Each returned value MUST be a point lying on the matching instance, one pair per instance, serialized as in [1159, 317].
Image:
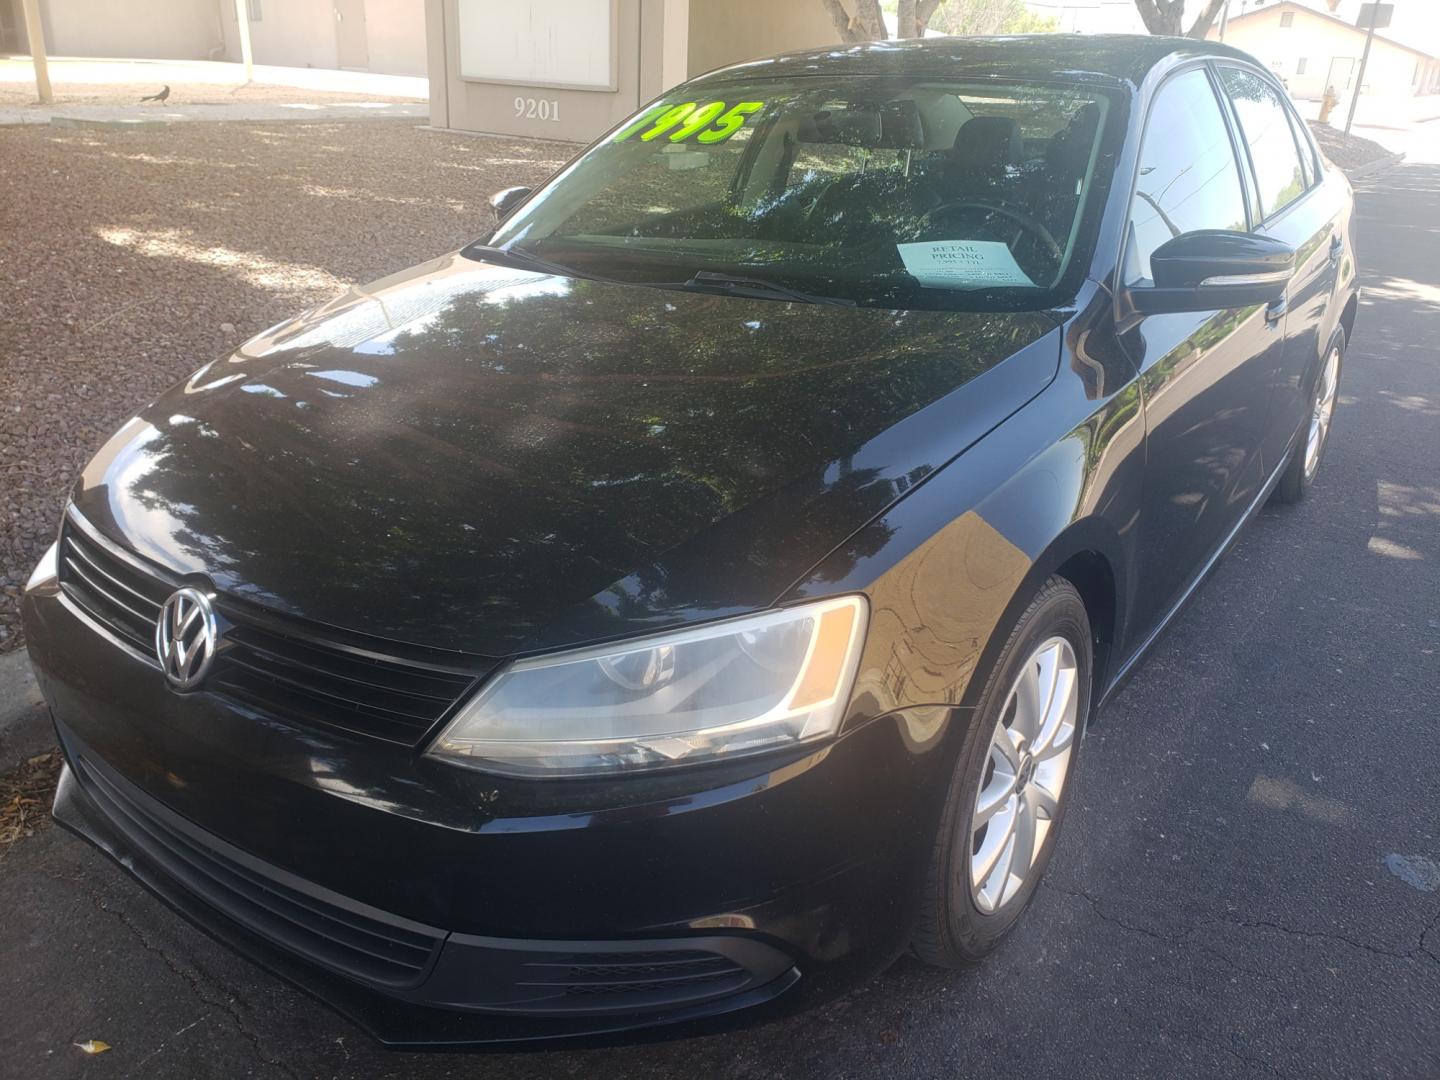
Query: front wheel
[1008, 795]
[1305, 461]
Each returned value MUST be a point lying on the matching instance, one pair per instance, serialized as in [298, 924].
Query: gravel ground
[130, 258]
[1346, 151]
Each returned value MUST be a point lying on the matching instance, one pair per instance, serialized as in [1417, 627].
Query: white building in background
[385, 36]
[1311, 49]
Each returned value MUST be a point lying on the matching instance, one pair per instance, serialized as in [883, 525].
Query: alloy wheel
[1320, 416]
[1027, 763]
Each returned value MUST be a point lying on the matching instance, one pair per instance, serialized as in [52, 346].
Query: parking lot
[1248, 882]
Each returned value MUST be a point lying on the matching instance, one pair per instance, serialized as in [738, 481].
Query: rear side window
[1307, 155]
[1188, 178]
[1265, 125]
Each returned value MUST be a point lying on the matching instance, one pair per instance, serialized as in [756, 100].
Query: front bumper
[442, 907]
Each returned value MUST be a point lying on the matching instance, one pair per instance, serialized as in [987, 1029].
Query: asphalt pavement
[1247, 884]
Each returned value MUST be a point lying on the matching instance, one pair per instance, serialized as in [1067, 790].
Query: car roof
[1115, 59]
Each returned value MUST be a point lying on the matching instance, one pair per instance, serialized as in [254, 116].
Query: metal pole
[36, 33]
[1364, 59]
[1224, 19]
[242, 16]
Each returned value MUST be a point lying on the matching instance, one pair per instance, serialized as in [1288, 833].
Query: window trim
[1127, 238]
[1238, 136]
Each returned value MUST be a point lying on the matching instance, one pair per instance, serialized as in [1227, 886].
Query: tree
[863, 20]
[993, 17]
[1167, 17]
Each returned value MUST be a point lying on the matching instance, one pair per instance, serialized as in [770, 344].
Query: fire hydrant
[1328, 103]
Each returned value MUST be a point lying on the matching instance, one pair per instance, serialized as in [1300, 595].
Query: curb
[24, 721]
[1372, 167]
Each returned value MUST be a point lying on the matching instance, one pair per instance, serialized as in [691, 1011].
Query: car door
[1292, 207]
[1205, 376]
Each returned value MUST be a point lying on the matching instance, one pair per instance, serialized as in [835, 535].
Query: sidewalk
[107, 93]
[81, 72]
[122, 116]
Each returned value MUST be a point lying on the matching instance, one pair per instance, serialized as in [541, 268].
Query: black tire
[1295, 482]
[951, 930]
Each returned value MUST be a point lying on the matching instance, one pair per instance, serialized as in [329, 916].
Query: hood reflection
[467, 454]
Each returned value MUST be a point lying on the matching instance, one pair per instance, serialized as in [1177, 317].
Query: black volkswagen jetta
[681, 603]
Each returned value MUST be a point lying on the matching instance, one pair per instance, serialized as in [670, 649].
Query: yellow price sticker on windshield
[689, 119]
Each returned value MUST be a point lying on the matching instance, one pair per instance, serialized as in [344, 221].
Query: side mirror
[504, 201]
[1211, 269]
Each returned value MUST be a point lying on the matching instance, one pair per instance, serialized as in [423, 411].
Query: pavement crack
[197, 986]
[1113, 919]
[1426, 947]
[1308, 935]
[1188, 939]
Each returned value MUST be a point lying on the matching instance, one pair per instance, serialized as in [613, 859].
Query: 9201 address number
[530, 108]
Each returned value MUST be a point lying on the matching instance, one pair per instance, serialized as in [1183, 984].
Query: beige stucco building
[1313, 49]
[569, 69]
[386, 36]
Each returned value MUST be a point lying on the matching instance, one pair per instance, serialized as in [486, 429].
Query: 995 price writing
[711, 122]
[537, 108]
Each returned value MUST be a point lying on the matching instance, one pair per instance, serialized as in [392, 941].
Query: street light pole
[36, 33]
[1224, 19]
[1364, 59]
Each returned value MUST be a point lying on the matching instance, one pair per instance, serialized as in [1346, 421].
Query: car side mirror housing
[1213, 269]
[506, 200]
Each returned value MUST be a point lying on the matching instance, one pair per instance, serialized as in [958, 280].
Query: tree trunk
[863, 23]
[905, 20]
[1206, 19]
[1162, 16]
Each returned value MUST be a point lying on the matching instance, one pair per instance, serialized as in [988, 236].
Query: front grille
[372, 947]
[277, 666]
[114, 591]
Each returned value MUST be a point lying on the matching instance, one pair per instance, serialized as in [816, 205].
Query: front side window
[1188, 178]
[883, 191]
[1265, 125]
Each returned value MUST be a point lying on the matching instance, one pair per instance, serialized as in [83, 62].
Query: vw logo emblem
[185, 638]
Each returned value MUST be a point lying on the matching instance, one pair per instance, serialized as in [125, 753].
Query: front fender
[952, 564]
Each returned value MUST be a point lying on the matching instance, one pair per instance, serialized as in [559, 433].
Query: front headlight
[712, 692]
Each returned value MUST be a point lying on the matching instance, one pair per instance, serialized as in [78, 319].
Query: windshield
[881, 191]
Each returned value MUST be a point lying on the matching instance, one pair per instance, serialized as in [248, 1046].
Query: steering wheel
[1020, 217]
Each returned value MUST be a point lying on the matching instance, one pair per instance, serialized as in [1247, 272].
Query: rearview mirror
[1211, 269]
[506, 200]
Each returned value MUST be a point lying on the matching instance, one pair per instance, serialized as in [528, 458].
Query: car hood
[489, 460]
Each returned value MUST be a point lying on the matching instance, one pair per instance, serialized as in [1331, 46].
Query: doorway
[1341, 74]
[352, 47]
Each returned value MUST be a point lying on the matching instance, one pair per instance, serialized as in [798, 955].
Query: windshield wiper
[734, 285]
[525, 261]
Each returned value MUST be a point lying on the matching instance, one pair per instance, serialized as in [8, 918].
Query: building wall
[396, 31]
[736, 30]
[478, 104]
[289, 33]
[659, 43]
[1331, 53]
[151, 29]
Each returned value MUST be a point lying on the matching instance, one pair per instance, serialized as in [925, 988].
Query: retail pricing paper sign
[963, 264]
